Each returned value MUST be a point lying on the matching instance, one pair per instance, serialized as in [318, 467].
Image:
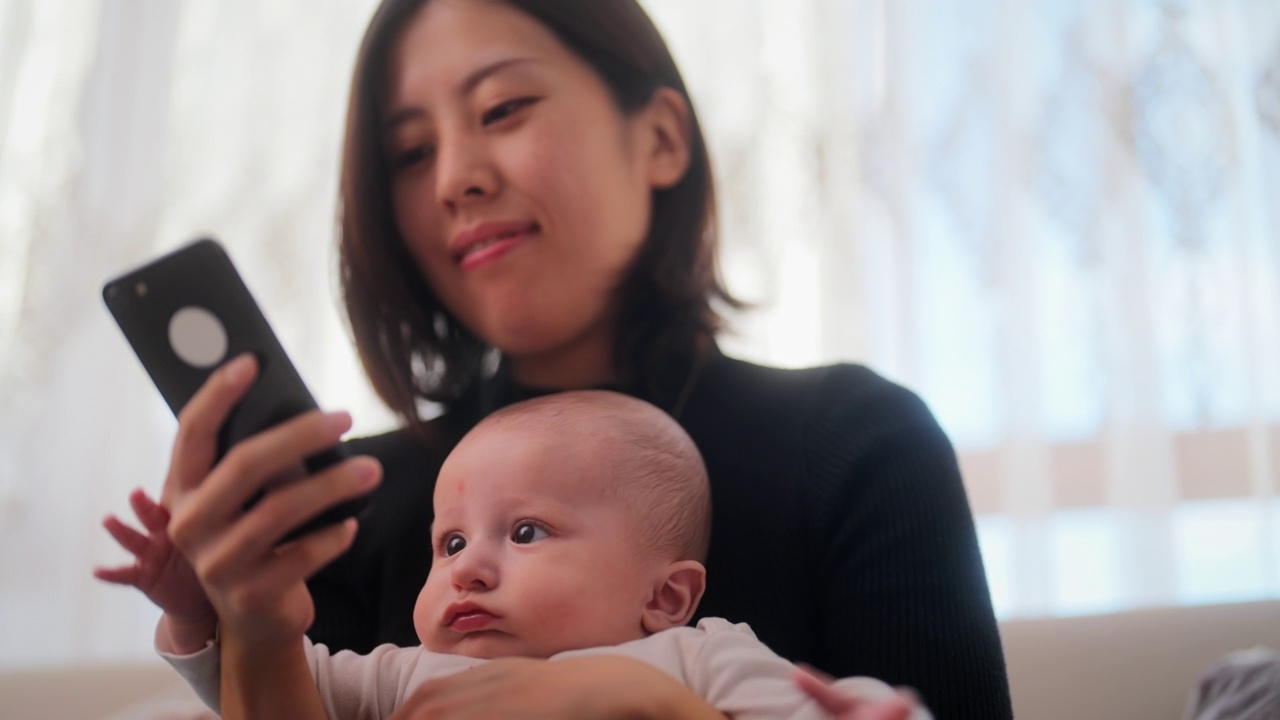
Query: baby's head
[574, 520]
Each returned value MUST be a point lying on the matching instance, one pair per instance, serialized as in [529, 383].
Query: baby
[569, 525]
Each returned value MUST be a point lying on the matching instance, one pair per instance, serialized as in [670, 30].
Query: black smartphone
[188, 312]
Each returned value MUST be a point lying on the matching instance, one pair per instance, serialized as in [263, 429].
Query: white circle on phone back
[197, 336]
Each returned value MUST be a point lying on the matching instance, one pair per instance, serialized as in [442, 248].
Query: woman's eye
[527, 532]
[453, 545]
[506, 109]
[412, 156]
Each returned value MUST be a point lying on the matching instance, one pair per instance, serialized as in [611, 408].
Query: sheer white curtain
[1054, 220]
[127, 127]
[1058, 222]
[1106, 185]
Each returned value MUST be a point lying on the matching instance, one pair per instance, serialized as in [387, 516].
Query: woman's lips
[486, 250]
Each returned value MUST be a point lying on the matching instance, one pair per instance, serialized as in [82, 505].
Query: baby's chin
[490, 644]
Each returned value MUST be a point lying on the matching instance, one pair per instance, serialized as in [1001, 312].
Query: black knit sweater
[841, 532]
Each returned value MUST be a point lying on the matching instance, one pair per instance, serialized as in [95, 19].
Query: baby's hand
[842, 706]
[159, 570]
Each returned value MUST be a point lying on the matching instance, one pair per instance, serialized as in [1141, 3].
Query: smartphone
[188, 312]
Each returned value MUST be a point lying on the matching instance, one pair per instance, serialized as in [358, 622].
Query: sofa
[1140, 664]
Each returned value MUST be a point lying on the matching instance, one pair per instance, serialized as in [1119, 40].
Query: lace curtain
[1054, 220]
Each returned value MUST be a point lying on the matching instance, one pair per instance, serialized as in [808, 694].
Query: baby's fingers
[129, 575]
[152, 516]
[129, 539]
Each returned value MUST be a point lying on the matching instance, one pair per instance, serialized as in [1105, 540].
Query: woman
[527, 207]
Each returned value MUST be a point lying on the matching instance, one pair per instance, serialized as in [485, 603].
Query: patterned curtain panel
[1058, 221]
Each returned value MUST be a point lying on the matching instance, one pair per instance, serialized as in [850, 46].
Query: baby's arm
[189, 624]
[164, 576]
[350, 685]
[270, 680]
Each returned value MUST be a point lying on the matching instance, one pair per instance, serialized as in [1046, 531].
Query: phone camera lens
[140, 289]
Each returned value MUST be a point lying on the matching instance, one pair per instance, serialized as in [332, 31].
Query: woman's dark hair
[411, 346]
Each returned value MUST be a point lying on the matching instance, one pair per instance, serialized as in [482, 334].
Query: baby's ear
[675, 596]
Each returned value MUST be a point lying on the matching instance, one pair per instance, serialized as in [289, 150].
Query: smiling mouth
[492, 241]
[487, 250]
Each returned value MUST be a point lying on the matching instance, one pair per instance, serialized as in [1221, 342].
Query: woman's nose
[465, 172]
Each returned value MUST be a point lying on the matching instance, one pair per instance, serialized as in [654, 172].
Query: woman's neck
[581, 365]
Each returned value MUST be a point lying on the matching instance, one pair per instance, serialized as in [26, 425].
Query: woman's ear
[676, 594]
[668, 132]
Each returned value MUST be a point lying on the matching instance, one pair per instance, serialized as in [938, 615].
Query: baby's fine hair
[656, 469]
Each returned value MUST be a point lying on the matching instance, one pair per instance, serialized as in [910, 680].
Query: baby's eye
[454, 545]
[506, 109]
[527, 532]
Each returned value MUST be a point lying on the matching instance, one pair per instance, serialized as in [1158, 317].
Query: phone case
[188, 312]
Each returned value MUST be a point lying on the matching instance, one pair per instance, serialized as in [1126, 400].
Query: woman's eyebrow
[478, 75]
[468, 85]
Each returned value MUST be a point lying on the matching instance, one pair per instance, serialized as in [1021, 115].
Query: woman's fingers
[249, 467]
[272, 453]
[201, 418]
[270, 596]
[898, 707]
[286, 507]
[815, 672]
[305, 556]
[587, 688]
[833, 701]
[254, 535]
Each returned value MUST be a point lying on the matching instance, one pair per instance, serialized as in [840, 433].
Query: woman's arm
[267, 683]
[905, 597]
[589, 688]
[255, 584]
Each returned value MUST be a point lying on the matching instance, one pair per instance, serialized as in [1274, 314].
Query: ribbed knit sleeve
[902, 584]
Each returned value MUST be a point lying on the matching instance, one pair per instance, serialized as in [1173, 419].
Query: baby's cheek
[422, 614]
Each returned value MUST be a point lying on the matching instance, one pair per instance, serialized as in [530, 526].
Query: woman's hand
[257, 588]
[842, 706]
[589, 688]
